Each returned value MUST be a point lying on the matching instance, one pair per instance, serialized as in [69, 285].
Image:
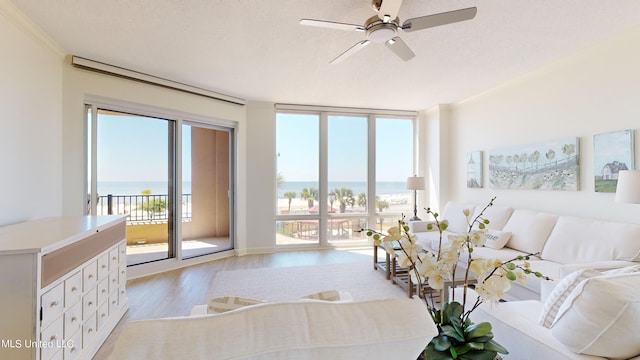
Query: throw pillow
[560, 293]
[601, 317]
[228, 303]
[496, 239]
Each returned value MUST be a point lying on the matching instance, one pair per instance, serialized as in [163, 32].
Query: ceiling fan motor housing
[379, 31]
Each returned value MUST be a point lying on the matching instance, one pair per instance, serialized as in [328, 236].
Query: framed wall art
[551, 165]
[474, 169]
[612, 152]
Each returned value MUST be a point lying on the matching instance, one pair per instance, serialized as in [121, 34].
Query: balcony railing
[141, 208]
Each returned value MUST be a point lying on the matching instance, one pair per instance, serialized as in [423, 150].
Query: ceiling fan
[383, 28]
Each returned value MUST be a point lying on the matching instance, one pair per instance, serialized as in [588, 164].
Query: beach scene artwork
[612, 153]
[551, 165]
[474, 169]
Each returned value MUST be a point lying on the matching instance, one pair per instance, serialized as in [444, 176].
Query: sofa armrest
[420, 226]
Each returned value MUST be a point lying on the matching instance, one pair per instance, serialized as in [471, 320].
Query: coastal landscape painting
[612, 152]
[551, 165]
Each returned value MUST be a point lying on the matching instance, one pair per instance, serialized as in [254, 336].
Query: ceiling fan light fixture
[386, 18]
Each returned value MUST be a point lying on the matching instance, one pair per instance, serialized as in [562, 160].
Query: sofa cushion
[601, 317]
[560, 293]
[577, 240]
[286, 330]
[529, 230]
[496, 239]
[497, 216]
[454, 213]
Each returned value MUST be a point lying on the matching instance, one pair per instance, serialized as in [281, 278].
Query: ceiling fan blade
[400, 48]
[352, 50]
[429, 21]
[331, 25]
[389, 10]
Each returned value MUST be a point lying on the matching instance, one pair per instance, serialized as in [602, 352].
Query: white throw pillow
[560, 293]
[601, 317]
[496, 239]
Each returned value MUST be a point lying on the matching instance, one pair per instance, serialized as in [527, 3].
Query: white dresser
[63, 284]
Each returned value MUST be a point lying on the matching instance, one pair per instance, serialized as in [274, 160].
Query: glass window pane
[133, 179]
[298, 158]
[394, 163]
[347, 164]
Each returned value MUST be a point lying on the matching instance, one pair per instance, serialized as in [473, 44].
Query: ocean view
[160, 187]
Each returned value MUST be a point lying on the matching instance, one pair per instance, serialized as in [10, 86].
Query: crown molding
[22, 22]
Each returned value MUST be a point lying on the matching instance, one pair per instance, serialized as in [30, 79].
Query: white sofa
[300, 330]
[560, 241]
[596, 318]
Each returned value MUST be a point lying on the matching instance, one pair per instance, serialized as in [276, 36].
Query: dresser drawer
[102, 315]
[52, 303]
[89, 304]
[72, 320]
[113, 302]
[113, 281]
[54, 334]
[90, 276]
[72, 289]
[103, 267]
[73, 346]
[88, 331]
[103, 291]
[122, 249]
[122, 276]
[114, 258]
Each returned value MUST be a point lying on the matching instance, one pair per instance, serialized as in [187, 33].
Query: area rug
[292, 283]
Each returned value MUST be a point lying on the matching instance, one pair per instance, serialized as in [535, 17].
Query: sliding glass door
[172, 179]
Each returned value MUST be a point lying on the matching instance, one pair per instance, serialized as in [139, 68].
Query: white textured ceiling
[255, 49]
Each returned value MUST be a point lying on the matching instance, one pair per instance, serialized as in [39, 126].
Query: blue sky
[132, 148]
[298, 148]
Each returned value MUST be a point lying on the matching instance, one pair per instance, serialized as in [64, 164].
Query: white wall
[594, 91]
[31, 120]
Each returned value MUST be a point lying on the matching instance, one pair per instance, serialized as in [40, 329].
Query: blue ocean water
[358, 187]
[160, 187]
[137, 187]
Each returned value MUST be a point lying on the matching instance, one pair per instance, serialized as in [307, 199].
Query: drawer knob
[103, 315]
[90, 276]
[74, 319]
[104, 291]
[74, 289]
[53, 304]
[90, 330]
[52, 338]
[73, 349]
[114, 258]
[104, 266]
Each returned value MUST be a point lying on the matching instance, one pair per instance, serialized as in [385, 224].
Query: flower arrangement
[459, 337]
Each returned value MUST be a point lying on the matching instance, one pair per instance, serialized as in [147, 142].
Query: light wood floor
[174, 293]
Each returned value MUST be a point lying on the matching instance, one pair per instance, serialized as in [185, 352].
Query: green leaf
[462, 349]
[511, 276]
[478, 355]
[481, 226]
[486, 221]
[452, 332]
[433, 354]
[440, 343]
[510, 266]
[478, 330]
[492, 345]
